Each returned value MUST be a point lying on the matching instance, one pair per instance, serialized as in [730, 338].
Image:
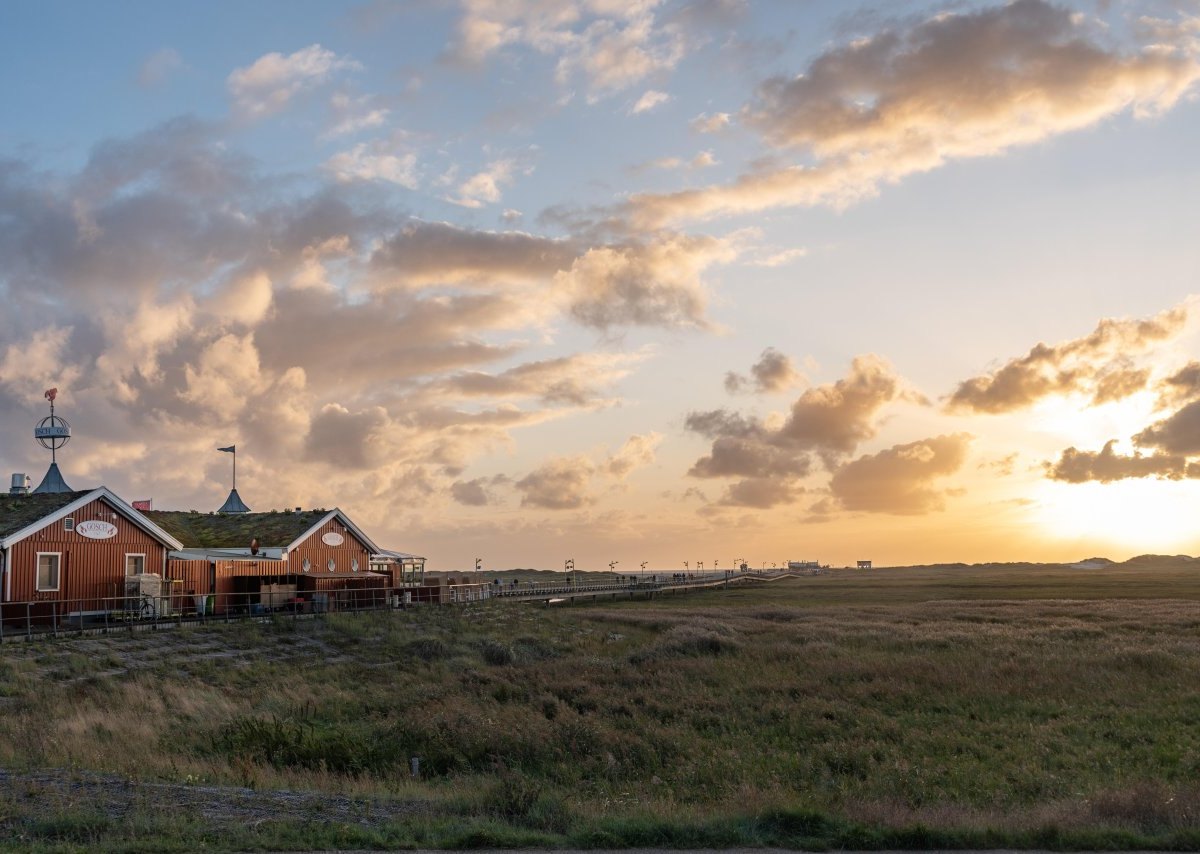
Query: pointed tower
[234, 503]
[52, 433]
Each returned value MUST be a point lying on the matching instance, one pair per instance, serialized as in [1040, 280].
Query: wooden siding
[319, 554]
[88, 569]
[194, 574]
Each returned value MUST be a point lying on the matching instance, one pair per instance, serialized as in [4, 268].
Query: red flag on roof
[51, 393]
[144, 505]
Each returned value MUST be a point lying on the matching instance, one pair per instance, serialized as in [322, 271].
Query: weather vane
[52, 432]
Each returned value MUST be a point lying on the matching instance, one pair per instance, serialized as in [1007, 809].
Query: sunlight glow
[1145, 515]
[1073, 420]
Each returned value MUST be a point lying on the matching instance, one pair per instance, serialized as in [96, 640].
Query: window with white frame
[134, 564]
[47, 570]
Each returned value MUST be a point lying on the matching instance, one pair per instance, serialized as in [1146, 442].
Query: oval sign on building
[94, 529]
[332, 538]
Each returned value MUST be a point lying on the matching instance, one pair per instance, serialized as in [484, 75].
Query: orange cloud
[1096, 364]
[908, 100]
[899, 479]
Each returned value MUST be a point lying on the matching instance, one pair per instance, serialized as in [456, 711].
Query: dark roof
[217, 531]
[234, 504]
[20, 511]
[53, 481]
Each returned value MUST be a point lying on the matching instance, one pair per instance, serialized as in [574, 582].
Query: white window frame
[128, 555]
[37, 579]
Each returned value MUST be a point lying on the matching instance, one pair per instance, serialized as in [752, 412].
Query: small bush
[497, 654]
[427, 649]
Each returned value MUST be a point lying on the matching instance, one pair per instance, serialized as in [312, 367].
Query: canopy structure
[234, 503]
[52, 482]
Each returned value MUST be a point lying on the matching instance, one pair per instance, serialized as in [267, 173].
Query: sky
[660, 281]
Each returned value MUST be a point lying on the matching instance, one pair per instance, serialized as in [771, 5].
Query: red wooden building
[304, 558]
[77, 548]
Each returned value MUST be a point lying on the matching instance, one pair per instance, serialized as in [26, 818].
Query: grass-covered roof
[217, 531]
[19, 511]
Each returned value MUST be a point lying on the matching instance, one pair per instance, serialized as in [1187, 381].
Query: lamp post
[478, 564]
[569, 566]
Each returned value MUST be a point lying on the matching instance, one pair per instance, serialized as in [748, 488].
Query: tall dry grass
[958, 716]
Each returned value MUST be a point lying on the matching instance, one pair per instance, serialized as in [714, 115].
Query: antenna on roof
[52, 432]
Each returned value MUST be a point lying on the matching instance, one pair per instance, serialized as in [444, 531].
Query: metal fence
[98, 614]
[114, 613]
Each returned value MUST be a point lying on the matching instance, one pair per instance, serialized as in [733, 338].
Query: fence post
[28, 621]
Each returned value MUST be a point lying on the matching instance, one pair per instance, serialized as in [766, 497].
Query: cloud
[836, 418]
[912, 98]
[1177, 434]
[1183, 385]
[761, 493]
[773, 372]
[574, 380]
[484, 187]
[477, 492]
[650, 99]
[715, 123]
[351, 114]
[560, 484]
[638, 451]
[779, 259]
[741, 456]
[352, 440]
[703, 160]
[269, 84]
[611, 46]
[174, 292]
[828, 421]
[653, 283]
[832, 418]
[1075, 466]
[898, 480]
[1117, 381]
[1096, 364]
[438, 253]
[159, 67]
[375, 162]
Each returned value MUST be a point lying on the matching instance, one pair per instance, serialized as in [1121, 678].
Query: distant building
[803, 564]
[864, 564]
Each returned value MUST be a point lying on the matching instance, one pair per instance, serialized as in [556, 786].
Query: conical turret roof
[53, 482]
[233, 504]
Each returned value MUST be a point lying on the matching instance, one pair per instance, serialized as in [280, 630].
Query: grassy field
[1016, 706]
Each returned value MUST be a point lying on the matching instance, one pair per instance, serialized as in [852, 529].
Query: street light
[569, 566]
[478, 563]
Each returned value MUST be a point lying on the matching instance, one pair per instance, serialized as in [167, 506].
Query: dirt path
[51, 791]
